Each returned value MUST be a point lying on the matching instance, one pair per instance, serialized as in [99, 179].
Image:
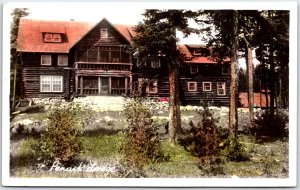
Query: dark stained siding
[206, 73]
[93, 39]
[31, 82]
[32, 70]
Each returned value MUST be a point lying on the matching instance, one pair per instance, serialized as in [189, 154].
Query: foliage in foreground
[234, 150]
[204, 141]
[62, 140]
[270, 125]
[141, 144]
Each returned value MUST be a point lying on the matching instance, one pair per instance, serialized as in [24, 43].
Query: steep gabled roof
[126, 31]
[30, 34]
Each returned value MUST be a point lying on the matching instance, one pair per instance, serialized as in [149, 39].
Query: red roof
[196, 59]
[201, 60]
[126, 31]
[30, 34]
[259, 99]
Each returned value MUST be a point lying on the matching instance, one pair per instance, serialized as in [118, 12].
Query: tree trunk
[234, 77]
[249, 62]
[260, 94]
[14, 83]
[174, 100]
[267, 95]
[272, 72]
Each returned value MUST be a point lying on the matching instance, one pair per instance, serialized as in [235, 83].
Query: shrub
[141, 144]
[270, 125]
[234, 150]
[204, 139]
[62, 139]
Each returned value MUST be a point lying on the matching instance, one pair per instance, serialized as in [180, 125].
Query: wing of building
[68, 58]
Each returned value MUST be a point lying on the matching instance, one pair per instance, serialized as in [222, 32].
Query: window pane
[194, 69]
[104, 33]
[62, 60]
[206, 86]
[45, 59]
[192, 86]
[221, 88]
[45, 83]
[48, 37]
[155, 63]
[56, 83]
[56, 38]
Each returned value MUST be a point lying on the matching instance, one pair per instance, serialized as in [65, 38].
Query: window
[221, 88]
[225, 70]
[45, 59]
[52, 37]
[192, 86]
[62, 60]
[152, 88]
[48, 37]
[206, 86]
[155, 63]
[56, 37]
[51, 83]
[103, 33]
[194, 69]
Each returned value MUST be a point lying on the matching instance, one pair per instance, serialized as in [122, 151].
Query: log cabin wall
[32, 71]
[208, 73]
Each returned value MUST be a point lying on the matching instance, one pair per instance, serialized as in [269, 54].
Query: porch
[102, 85]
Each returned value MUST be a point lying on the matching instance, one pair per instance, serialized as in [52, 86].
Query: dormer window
[56, 38]
[197, 51]
[52, 37]
[103, 33]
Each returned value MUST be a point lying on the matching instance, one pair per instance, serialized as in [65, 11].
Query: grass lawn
[267, 160]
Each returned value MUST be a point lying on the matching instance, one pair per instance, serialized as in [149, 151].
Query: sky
[116, 12]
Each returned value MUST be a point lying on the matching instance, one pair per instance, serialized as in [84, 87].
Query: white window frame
[103, 33]
[51, 80]
[155, 63]
[204, 86]
[191, 68]
[190, 88]
[44, 56]
[221, 86]
[225, 68]
[154, 88]
[62, 58]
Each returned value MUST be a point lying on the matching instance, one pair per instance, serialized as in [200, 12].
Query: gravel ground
[107, 112]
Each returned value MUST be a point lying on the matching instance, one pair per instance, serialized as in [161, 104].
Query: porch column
[109, 85]
[126, 85]
[81, 85]
[99, 85]
[130, 84]
[76, 84]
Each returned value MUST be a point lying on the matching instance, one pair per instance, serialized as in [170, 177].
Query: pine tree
[156, 37]
[17, 14]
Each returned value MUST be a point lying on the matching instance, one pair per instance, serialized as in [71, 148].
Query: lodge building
[68, 58]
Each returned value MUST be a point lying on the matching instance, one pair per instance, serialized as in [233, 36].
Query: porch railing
[102, 66]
